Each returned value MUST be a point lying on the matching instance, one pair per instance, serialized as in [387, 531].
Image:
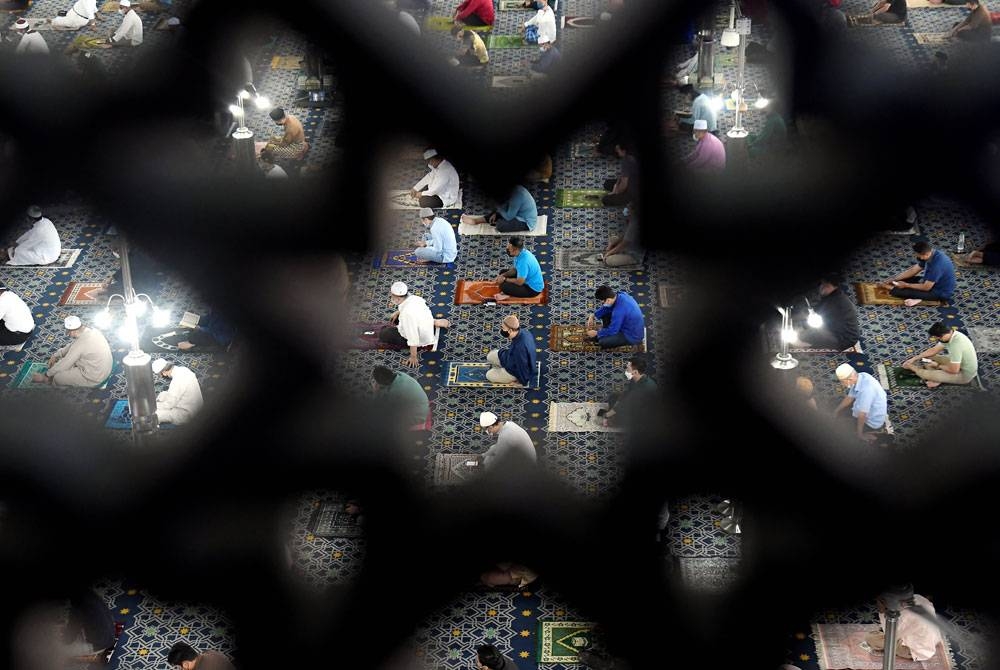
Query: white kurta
[545, 19]
[441, 181]
[82, 13]
[416, 323]
[15, 313]
[918, 633]
[86, 361]
[32, 43]
[38, 246]
[130, 29]
[179, 403]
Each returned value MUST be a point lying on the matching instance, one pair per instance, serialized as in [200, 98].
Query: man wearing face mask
[292, 143]
[710, 154]
[548, 57]
[517, 362]
[622, 318]
[512, 441]
[932, 278]
[440, 186]
[439, 245]
[524, 280]
[640, 392]
[130, 31]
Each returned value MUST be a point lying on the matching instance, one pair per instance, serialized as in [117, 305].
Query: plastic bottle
[961, 243]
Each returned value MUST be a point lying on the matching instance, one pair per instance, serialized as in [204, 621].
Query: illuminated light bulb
[788, 335]
[262, 102]
[814, 320]
[103, 319]
[161, 318]
[761, 103]
[235, 110]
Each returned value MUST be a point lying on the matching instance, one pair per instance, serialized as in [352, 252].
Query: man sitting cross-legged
[621, 317]
[868, 400]
[519, 213]
[524, 280]
[516, 362]
[86, 361]
[936, 283]
[952, 359]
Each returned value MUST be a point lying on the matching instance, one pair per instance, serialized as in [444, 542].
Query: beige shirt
[130, 29]
[90, 353]
[916, 631]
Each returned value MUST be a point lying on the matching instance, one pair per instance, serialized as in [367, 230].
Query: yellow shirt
[479, 48]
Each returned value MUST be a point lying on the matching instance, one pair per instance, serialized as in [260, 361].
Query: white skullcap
[426, 213]
[158, 365]
[398, 289]
[72, 322]
[430, 153]
[844, 370]
[700, 124]
[20, 24]
[125, 3]
[487, 419]
[34, 211]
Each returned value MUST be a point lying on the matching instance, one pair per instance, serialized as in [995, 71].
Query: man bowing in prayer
[82, 13]
[182, 400]
[86, 361]
[412, 325]
[38, 246]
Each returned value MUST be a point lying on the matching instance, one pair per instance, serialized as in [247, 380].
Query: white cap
[844, 370]
[398, 289]
[72, 322]
[158, 365]
[125, 3]
[430, 153]
[700, 124]
[544, 39]
[20, 24]
[426, 213]
[34, 211]
[487, 419]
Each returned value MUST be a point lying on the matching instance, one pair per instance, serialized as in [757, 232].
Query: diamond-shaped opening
[325, 543]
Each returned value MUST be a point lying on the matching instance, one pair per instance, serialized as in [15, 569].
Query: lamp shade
[730, 38]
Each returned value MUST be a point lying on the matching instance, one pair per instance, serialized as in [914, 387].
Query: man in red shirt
[475, 13]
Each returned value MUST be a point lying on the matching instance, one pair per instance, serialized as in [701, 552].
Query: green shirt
[410, 396]
[960, 350]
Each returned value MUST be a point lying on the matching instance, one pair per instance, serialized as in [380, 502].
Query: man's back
[213, 660]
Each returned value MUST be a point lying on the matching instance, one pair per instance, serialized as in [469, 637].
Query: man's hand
[592, 333]
[869, 437]
[492, 218]
[412, 361]
[414, 193]
[887, 284]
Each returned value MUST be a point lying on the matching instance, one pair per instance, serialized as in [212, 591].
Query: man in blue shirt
[518, 213]
[622, 319]
[517, 362]
[524, 280]
[701, 108]
[937, 282]
[868, 398]
[439, 245]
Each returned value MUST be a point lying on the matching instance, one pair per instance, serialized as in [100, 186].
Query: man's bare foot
[184, 346]
[501, 296]
[932, 385]
[908, 366]
[39, 379]
[442, 323]
[912, 302]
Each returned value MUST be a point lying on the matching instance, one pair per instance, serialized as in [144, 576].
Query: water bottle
[961, 243]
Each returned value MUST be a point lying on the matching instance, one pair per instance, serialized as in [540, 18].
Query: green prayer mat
[22, 380]
[505, 42]
[562, 641]
[894, 377]
[570, 197]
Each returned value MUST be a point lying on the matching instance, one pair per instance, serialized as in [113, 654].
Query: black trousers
[514, 226]
[615, 199]
[390, 335]
[432, 201]
[12, 337]
[916, 293]
[518, 290]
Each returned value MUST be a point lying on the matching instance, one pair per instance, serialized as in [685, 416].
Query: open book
[189, 320]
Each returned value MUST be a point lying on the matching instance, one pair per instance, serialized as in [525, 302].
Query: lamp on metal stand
[783, 360]
[243, 143]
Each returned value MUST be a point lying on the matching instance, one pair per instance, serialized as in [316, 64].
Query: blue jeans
[428, 254]
[609, 341]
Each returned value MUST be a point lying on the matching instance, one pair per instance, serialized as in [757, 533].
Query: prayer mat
[541, 228]
[473, 375]
[330, 520]
[67, 257]
[573, 338]
[870, 293]
[578, 417]
[167, 340]
[579, 22]
[81, 293]
[470, 292]
[585, 150]
[772, 345]
[924, 4]
[894, 377]
[510, 5]
[510, 81]
[562, 641]
[962, 263]
[87, 43]
[22, 380]
[403, 258]
[286, 62]
[121, 417]
[841, 646]
[912, 230]
[985, 340]
[451, 469]
[444, 23]
[402, 200]
[567, 197]
[669, 294]
[505, 42]
[588, 259]
[364, 336]
[932, 38]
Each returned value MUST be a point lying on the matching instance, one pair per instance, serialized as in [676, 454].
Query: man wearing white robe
[86, 361]
[917, 634]
[412, 324]
[38, 246]
[130, 31]
[182, 401]
[440, 186]
[16, 322]
[32, 41]
[82, 13]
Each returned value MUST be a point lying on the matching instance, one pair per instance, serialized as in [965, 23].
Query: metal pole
[706, 57]
[784, 360]
[889, 651]
[138, 366]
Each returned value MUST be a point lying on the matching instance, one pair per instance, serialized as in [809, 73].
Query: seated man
[404, 392]
[90, 628]
[38, 246]
[840, 329]
[959, 363]
[86, 361]
[709, 156]
[439, 245]
[625, 250]
[545, 22]
[489, 657]
[621, 316]
[883, 11]
[82, 13]
[268, 166]
[518, 214]
[517, 362]
[212, 333]
[639, 395]
[524, 280]
[917, 634]
[129, 33]
[475, 13]
[701, 109]
[508, 574]
[292, 143]
[937, 282]
[548, 58]
[623, 189]
[182, 400]
[186, 658]
[413, 323]
[31, 41]
[16, 322]
[772, 140]
[512, 441]
[987, 255]
[471, 48]
[869, 401]
[440, 186]
[977, 26]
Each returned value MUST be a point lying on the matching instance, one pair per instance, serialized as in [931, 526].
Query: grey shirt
[511, 440]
